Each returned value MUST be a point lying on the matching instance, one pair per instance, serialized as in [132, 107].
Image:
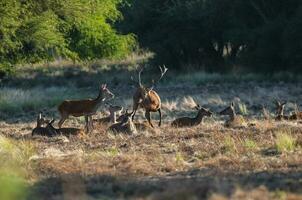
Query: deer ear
[277, 103]
[232, 104]
[40, 116]
[283, 103]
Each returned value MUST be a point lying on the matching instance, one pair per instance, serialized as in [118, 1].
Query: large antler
[139, 82]
[163, 70]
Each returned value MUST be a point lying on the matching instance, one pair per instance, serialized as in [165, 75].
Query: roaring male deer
[188, 121]
[86, 107]
[113, 110]
[235, 120]
[147, 98]
[125, 125]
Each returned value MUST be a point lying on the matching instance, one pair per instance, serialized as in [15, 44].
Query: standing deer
[86, 107]
[125, 125]
[113, 110]
[235, 120]
[188, 121]
[147, 98]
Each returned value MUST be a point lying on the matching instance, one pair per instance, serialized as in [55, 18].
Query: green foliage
[35, 31]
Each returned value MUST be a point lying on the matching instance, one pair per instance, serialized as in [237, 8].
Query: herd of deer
[144, 97]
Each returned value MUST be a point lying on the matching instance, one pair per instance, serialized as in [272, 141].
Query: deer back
[78, 108]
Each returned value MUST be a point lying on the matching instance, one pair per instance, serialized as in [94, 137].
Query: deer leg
[86, 124]
[135, 107]
[91, 122]
[148, 117]
[159, 112]
[62, 120]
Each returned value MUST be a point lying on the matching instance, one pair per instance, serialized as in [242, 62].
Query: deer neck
[99, 100]
[199, 118]
[112, 117]
[232, 115]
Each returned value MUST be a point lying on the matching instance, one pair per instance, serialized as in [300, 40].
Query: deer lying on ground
[147, 98]
[280, 111]
[113, 110]
[297, 115]
[125, 125]
[188, 121]
[235, 120]
[49, 130]
[86, 107]
[140, 126]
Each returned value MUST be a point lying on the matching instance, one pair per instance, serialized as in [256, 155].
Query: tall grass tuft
[229, 145]
[250, 144]
[15, 156]
[285, 142]
[15, 168]
[243, 109]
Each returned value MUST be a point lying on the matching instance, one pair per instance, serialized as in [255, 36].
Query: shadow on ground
[200, 184]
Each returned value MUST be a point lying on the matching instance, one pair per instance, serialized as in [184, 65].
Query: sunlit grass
[14, 100]
[285, 142]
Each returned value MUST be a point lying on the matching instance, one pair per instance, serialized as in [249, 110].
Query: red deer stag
[147, 98]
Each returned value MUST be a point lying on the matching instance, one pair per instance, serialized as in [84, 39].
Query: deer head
[105, 93]
[163, 70]
[230, 110]
[142, 91]
[125, 117]
[203, 111]
[280, 107]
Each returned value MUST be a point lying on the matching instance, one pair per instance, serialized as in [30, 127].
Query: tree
[39, 30]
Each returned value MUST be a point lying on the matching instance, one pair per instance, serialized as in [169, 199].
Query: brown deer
[48, 130]
[147, 98]
[86, 107]
[280, 111]
[140, 126]
[297, 115]
[188, 121]
[125, 125]
[235, 120]
[113, 110]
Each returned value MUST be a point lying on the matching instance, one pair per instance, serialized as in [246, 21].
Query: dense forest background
[212, 35]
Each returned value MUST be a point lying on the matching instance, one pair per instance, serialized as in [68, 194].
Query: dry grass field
[209, 161]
